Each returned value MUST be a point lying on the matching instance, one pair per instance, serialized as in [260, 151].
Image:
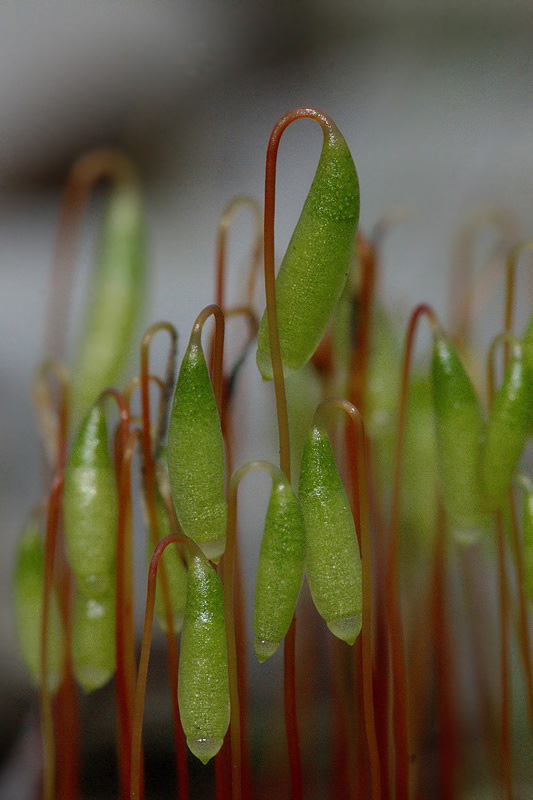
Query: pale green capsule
[507, 430]
[203, 692]
[314, 270]
[196, 462]
[280, 568]
[116, 298]
[176, 572]
[332, 558]
[528, 541]
[93, 641]
[460, 429]
[90, 507]
[28, 591]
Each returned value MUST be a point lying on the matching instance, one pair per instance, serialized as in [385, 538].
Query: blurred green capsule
[203, 692]
[314, 270]
[29, 585]
[527, 349]
[176, 572]
[507, 430]
[460, 429]
[93, 641]
[332, 558]
[90, 507]
[116, 298]
[280, 568]
[528, 540]
[196, 462]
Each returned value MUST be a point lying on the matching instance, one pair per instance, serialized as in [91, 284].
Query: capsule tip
[213, 550]
[347, 628]
[93, 678]
[264, 649]
[204, 749]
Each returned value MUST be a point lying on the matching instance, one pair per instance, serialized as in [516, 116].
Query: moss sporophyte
[391, 519]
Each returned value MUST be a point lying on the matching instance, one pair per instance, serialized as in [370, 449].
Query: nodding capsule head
[196, 462]
[93, 641]
[280, 569]
[90, 506]
[116, 298]
[315, 267]
[203, 692]
[460, 429]
[507, 430]
[332, 558]
[28, 590]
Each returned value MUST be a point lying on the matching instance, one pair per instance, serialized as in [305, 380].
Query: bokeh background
[434, 99]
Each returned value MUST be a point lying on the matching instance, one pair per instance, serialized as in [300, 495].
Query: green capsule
[528, 541]
[460, 428]
[527, 349]
[203, 688]
[176, 572]
[332, 558]
[90, 507]
[507, 430]
[314, 270]
[93, 641]
[196, 463]
[280, 568]
[29, 585]
[116, 298]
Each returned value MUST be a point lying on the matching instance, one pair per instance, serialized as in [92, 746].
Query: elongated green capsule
[507, 430]
[332, 558]
[196, 463]
[29, 585]
[280, 569]
[314, 270]
[116, 298]
[90, 507]
[528, 541]
[460, 428]
[527, 349]
[93, 641]
[203, 692]
[176, 572]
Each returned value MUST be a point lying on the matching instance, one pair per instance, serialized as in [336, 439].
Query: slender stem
[366, 559]
[149, 484]
[87, 172]
[218, 348]
[512, 261]
[135, 788]
[392, 600]
[289, 646]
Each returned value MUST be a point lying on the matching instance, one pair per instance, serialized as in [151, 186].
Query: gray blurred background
[434, 99]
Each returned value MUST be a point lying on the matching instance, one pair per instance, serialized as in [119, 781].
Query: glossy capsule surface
[28, 599]
[116, 298]
[280, 569]
[460, 428]
[203, 691]
[196, 461]
[90, 507]
[507, 431]
[315, 267]
[332, 558]
[93, 641]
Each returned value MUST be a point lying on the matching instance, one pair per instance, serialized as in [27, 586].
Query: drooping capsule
[507, 430]
[280, 568]
[176, 573]
[28, 590]
[314, 270]
[460, 429]
[196, 462]
[90, 506]
[116, 298]
[93, 641]
[332, 558]
[203, 692]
